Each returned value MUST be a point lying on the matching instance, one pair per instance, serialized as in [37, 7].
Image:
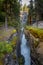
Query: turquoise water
[25, 50]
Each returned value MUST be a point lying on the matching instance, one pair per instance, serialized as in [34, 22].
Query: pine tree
[39, 8]
[31, 11]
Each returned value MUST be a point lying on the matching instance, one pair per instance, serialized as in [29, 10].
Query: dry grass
[5, 34]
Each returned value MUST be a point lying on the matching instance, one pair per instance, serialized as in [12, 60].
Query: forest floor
[5, 34]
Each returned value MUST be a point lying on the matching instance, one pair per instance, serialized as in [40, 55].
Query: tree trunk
[6, 25]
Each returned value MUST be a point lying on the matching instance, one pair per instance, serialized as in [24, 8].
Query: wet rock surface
[36, 55]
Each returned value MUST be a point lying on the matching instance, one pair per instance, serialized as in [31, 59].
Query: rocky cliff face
[36, 55]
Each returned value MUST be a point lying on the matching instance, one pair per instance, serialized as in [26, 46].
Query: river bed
[25, 50]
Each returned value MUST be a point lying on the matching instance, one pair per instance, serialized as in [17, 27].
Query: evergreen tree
[30, 12]
[39, 8]
[10, 8]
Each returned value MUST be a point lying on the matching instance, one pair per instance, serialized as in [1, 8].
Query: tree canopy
[9, 7]
[39, 7]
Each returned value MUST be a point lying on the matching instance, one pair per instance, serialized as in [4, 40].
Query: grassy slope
[37, 32]
[6, 34]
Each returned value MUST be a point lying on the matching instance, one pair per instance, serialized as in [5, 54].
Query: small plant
[21, 60]
[36, 43]
[5, 48]
[14, 41]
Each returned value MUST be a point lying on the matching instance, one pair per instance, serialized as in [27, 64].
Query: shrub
[5, 48]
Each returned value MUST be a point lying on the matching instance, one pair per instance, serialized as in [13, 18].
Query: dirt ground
[5, 34]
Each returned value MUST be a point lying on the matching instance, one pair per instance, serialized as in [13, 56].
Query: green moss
[14, 56]
[36, 43]
[5, 48]
[21, 60]
[14, 41]
[37, 32]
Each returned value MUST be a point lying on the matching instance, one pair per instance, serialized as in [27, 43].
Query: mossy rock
[37, 32]
[1, 62]
[36, 43]
[21, 60]
[14, 56]
[14, 41]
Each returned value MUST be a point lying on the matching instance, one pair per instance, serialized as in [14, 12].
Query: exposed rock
[36, 52]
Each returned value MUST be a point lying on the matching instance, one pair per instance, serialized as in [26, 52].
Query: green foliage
[21, 60]
[24, 7]
[30, 13]
[14, 41]
[1, 18]
[5, 48]
[1, 56]
[1, 12]
[14, 23]
[8, 48]
[36, 43]
[14, 56]
[31, 6]
[39, 8]
[37, 32]
[10, 8]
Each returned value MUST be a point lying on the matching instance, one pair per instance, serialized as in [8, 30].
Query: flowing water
[25, 49]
